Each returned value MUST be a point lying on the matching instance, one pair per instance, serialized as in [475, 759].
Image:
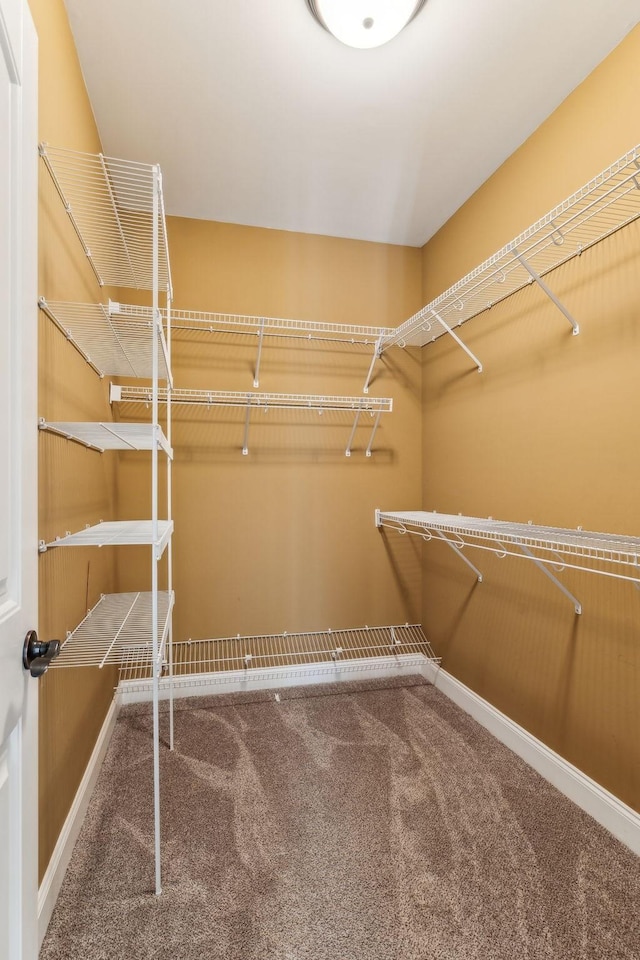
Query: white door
[18, 490]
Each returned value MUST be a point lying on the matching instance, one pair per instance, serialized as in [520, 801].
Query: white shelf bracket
[347, 452]
[457, 339]
[457, 550]
[377, 352]
[245, 442]
[373, 433]
[256, 376]
[538, 279]
[541, 566]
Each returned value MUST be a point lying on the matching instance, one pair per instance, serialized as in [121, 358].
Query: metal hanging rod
[374, 406]
[605, 204]
[110, 436]
[118, 630]
[606, 554]
[110, 203]
[261, 327]
[116, 533]
[112, 347]
[225, 655]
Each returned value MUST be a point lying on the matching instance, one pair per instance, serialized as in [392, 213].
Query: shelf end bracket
[377, 352]
[373, 433]
[541, 566]
[454, 336]
[457, 550]
[347, 452]
[538, 279]
[256, 376]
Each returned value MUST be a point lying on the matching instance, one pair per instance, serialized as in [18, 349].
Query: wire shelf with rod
[186, 322]
[607, 203]
[207, 322]
[374, 406]
[550, 548]
[111, 346]
[361, 648]
[118, 630]
[110, 203]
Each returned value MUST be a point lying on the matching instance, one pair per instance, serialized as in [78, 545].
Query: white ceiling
[258, 116]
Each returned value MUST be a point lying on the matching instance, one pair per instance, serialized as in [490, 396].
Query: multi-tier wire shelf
[604, 205]
[551, 549]
[117, 211]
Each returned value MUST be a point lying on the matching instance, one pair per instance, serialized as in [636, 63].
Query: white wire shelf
[118, 630]
[187, 322]
[254, 653]
[111, 435]
[117, 533]
[260, 401]
[113, 347]
[111, 205]
[550, 548]
[610, 201]
[374, 406]
[206, 322]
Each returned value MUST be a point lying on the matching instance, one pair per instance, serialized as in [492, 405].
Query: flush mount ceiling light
[364, 23]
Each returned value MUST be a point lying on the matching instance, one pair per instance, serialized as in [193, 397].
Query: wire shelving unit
[284, 656]
[116, 208]
[549, 548]
[374, 406]
[604, 205]
[184, 322]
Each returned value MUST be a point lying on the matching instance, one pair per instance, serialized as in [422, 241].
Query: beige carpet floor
[370, 821]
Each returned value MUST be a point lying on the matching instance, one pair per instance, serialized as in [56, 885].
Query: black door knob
[37, 655]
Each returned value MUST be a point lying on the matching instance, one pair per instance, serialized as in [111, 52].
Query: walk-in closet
[338, 542]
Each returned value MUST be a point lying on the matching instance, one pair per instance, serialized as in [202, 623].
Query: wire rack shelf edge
[604, 205]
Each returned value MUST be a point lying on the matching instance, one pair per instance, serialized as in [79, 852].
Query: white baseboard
[241, 681]
[52, 880]
[610, 812]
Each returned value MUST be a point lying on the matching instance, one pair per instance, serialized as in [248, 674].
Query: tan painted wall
[284, 539]
[76, 486]
[549, 433]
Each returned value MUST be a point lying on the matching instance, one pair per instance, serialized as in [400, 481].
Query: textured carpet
[370, 821]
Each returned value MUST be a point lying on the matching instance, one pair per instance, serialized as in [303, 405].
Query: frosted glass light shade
[364, 23]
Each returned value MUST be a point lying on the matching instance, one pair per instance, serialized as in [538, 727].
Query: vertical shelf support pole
[377, 352]
[169, 426]
[256, 377]
[373, 432]
[347, 452]
[457, 339]
[457, 550]
[245, 442]
[154, 519]
[538, 279]
[541, 566]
